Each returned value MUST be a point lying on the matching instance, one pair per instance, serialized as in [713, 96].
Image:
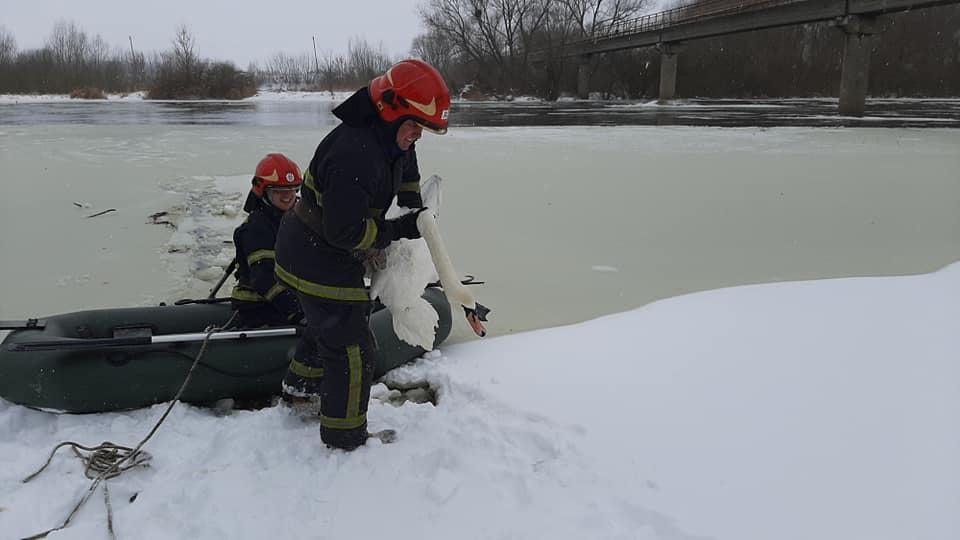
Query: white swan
[407, 270]
[412, 264]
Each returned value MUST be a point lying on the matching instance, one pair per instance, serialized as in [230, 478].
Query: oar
[29, 324]
[74, 344]
[230, 268]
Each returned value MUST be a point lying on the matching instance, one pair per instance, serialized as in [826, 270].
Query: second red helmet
[275, 170]
[412, 89]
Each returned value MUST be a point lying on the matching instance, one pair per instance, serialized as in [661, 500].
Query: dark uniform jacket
[258, 296]
[355, 173]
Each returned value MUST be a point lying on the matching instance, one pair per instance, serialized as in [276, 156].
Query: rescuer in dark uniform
[357, 170]
[260, 300]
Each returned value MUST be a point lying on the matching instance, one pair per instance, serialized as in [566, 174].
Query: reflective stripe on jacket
[354, 175]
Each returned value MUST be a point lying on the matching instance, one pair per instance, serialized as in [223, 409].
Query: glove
[406, 225]
[373, 260]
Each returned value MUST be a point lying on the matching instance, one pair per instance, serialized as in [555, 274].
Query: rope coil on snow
[109, 460]
[102, 459]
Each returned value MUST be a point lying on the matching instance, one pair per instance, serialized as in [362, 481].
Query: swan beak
[475, 316]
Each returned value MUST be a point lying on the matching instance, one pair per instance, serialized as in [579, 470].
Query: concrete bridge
[860, 20]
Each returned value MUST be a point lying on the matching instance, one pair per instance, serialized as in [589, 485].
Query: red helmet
[412, 89]
[275, 170]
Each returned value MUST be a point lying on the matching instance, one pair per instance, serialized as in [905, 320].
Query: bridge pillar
[583, 76]
[668, 70]
[858, 43]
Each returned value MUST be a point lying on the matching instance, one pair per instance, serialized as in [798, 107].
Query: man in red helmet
[356, 171]
[260, 300]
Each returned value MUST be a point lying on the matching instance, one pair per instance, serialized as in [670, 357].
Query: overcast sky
[237, 30]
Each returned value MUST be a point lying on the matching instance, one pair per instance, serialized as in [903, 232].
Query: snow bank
[282, 95]
[54, 98]
[820, 409]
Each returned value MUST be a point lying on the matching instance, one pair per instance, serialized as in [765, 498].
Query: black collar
[254, 203]
[358, 111]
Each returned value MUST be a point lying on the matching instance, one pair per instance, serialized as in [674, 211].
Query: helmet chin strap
[266, 199]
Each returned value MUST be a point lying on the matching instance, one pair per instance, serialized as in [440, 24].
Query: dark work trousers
[339, 333]
[305, 373]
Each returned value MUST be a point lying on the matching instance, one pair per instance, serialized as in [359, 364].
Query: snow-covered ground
[283, 95]
[822, 409]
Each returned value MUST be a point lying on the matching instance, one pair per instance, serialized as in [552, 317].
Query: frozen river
[562, 223]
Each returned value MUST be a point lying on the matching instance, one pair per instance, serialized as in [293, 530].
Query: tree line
[485, 48]
[327, 71]
[72, 61]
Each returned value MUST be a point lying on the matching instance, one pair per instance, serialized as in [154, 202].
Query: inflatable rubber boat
[125, 358]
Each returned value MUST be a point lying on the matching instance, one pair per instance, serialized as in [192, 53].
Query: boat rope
[100, 459]
[109, 460]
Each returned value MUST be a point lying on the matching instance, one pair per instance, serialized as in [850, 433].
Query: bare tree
[586, 14]
[280, 69]
[98, 51]
[69, 44]
[580, 18]
[184, 53]
[333, 71]
[8, 46]
[57, 42]
[495, 35]
[330, 71]
[287, 70]
[364, 61]
[435, 49]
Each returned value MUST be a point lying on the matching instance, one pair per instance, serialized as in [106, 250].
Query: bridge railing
[689, 12]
